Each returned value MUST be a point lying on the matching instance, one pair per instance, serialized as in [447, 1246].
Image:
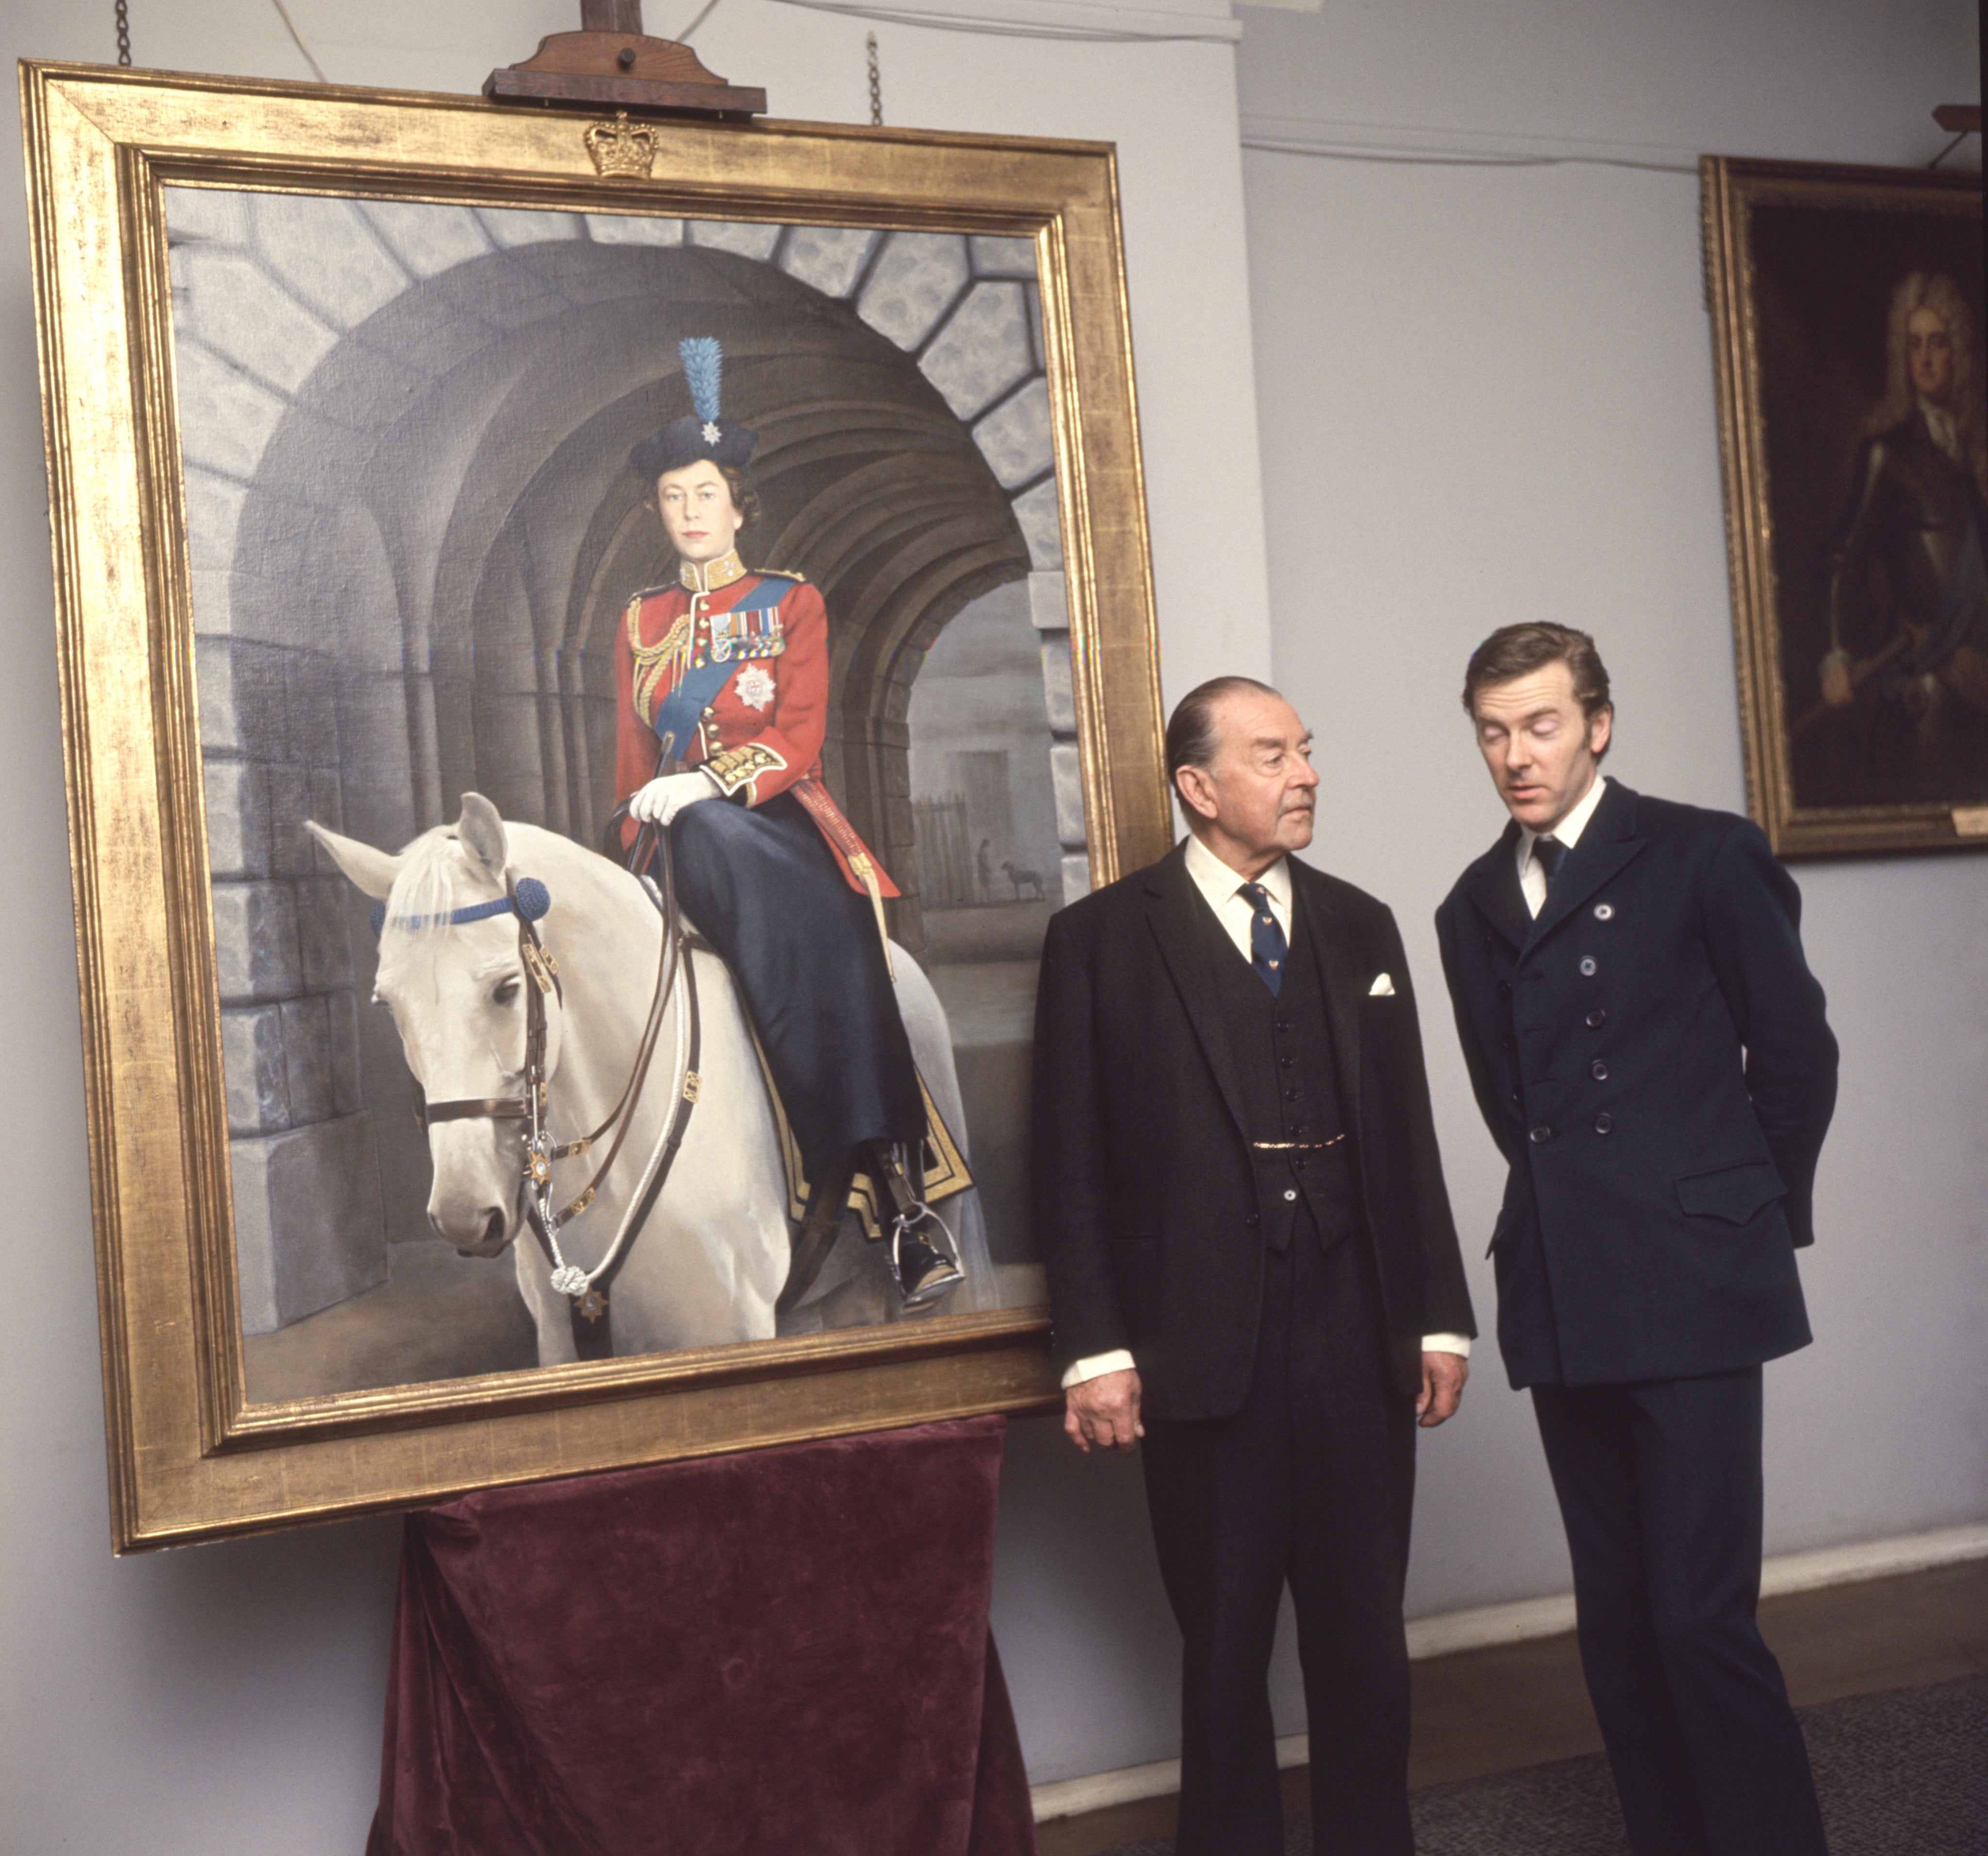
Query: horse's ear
[371, 870]
[480, 832]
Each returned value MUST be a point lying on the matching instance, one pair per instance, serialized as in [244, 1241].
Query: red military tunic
[760, 732]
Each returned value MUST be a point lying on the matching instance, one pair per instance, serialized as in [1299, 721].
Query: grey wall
[1486, 395]
[1481, 394]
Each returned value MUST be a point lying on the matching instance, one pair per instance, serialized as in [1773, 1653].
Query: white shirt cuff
[1118, 1360]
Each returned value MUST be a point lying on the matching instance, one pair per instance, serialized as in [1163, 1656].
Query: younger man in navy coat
[1649, 1049]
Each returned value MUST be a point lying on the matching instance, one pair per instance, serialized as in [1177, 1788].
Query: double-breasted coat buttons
[1602, 1123]
[1598, 1070]
[1597, 1018]
[1604, 912]
[1587, 966]
[1540, 1135]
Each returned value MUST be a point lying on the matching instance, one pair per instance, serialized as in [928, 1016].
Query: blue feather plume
[703, 361]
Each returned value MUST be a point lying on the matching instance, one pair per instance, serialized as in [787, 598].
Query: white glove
[659, 802]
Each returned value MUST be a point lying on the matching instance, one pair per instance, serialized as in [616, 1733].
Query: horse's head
[456, 992]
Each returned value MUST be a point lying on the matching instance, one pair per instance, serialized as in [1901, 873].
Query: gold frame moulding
[190, 1457]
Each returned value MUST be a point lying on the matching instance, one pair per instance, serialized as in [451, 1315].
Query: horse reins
[587, 1291]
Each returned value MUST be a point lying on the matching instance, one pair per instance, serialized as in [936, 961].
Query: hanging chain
[123, 34]
[876, 81]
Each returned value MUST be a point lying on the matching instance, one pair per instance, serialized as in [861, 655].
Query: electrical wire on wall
[702, 14]
[1413, 157]
[1006, 29]
[283, 13]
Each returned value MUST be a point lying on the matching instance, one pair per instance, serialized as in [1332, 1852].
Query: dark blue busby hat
[700, 435]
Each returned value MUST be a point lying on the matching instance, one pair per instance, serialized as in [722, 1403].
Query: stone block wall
[309, 1228]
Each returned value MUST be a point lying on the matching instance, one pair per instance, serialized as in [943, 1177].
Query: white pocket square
[1382, 988]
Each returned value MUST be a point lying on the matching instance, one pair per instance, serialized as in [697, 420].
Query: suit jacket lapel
[1496, 890]
[1320, 919]
[1172, 902]
[1608, 843]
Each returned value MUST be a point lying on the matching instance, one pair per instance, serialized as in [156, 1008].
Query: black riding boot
[924, 1273]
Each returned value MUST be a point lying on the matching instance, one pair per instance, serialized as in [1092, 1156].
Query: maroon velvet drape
[783, 1653]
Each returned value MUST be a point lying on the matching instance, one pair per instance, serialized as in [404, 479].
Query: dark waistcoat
[1283, 1046]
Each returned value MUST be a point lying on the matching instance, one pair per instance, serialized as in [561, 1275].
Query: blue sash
[678, 713]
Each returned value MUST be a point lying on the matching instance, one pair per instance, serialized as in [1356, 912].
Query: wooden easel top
[611, 61]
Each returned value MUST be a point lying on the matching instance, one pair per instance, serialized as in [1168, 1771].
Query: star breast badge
[755, 686]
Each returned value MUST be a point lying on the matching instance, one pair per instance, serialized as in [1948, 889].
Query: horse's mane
[434, 879]
[423, 895]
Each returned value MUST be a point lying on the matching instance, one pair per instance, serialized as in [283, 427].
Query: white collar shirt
[1532, 873]
[1221, 888]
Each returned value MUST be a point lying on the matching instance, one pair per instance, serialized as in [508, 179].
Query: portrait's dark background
[1823, 278]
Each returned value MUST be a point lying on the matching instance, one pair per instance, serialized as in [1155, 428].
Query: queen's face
[697, 510]
[1929, 355]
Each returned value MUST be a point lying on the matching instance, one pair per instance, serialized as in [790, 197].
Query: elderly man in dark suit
[1252, 1265]
[1649, 1049]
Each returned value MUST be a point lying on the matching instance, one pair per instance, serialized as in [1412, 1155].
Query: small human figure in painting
[722, 683]
[1908, 603]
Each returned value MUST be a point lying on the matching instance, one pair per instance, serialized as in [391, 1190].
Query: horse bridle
[587, 1291]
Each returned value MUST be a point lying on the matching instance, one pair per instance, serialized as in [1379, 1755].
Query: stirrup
[922, 1272]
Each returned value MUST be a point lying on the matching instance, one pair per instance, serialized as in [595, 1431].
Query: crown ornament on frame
[622, 151]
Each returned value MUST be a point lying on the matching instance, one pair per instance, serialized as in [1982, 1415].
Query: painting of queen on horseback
[753, 913]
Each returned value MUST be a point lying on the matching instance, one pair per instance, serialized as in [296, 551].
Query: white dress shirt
[1532, 873]
[1223, 888]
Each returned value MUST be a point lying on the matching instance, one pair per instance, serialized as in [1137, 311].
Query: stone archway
[404, 428]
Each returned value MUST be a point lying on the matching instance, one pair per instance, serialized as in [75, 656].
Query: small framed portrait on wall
[1848, 340]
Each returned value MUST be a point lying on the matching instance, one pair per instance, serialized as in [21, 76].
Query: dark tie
[1267, 947]
[1551, 854]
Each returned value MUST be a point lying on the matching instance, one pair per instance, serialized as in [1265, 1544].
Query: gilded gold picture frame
[1859, 629]
[134, 180]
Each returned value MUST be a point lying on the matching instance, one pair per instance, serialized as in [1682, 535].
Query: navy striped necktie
[1267, 946]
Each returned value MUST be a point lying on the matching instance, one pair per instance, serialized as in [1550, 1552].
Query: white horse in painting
[712, 1258]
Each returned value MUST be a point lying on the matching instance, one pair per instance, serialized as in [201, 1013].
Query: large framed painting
[590, 651]
[1847, 317]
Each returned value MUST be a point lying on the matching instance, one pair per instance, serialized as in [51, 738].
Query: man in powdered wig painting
[722, 678]
[1908, 601]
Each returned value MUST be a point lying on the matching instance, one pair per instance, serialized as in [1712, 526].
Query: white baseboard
[1488, 1624]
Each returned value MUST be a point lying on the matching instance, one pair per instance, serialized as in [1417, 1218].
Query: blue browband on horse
[531, 899]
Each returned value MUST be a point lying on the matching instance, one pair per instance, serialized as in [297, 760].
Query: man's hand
[1105, 1411]
[1838, 691]
[659, 802]
[1443, 1375]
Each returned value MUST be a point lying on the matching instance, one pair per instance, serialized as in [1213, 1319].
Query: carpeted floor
[1903, 1774]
